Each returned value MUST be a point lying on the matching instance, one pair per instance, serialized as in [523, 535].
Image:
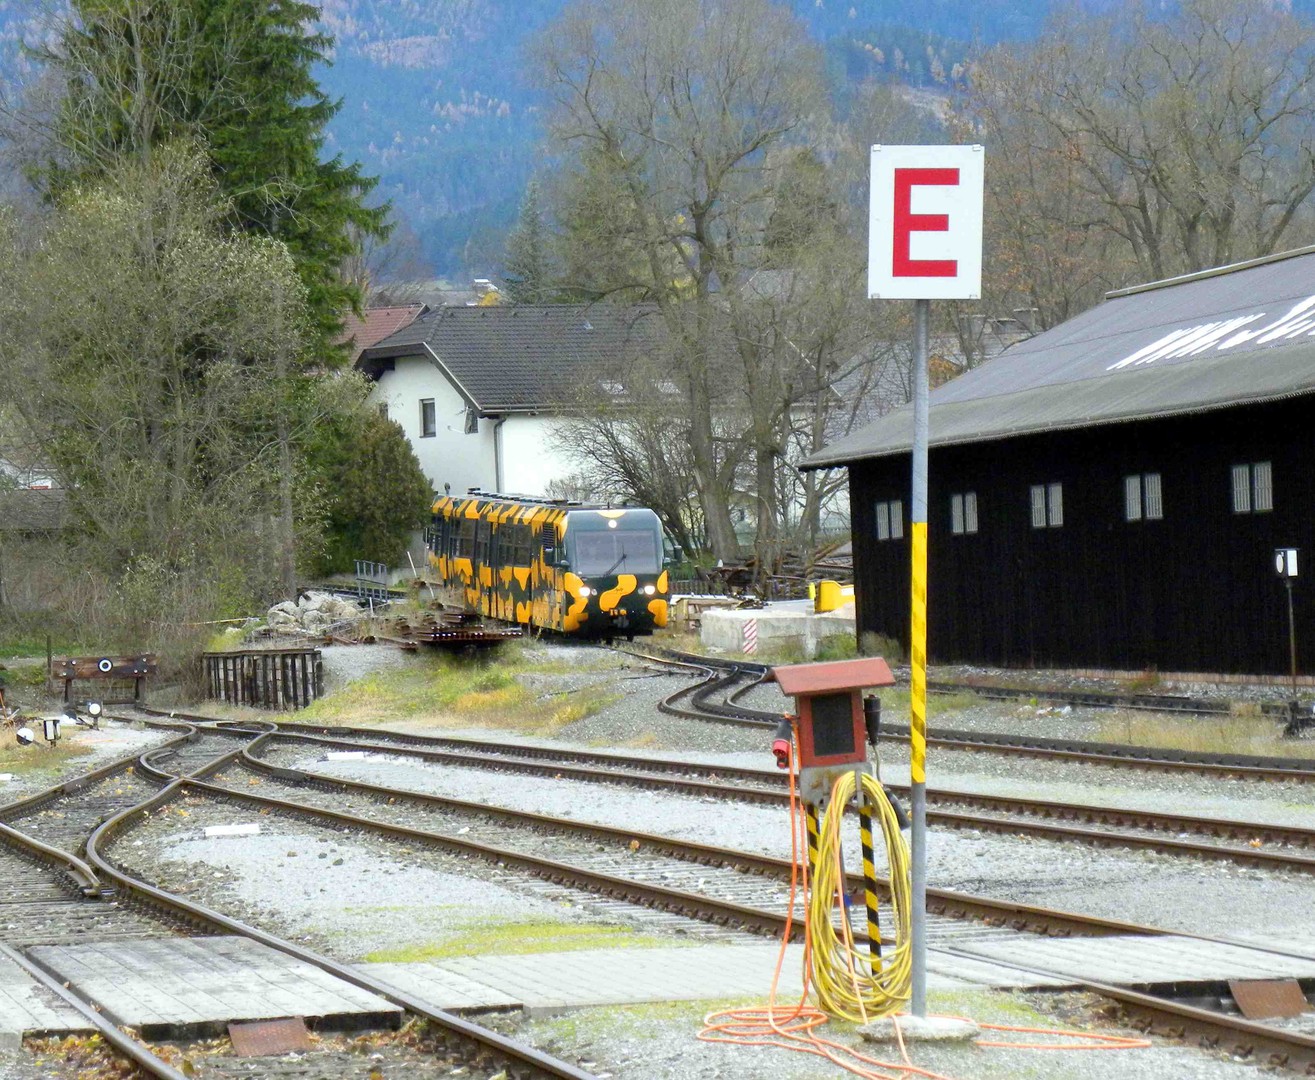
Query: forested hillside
[437, 101]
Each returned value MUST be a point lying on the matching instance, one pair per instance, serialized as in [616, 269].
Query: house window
[1141, 497]
[963, 513]
[428, 423]
[890, 520]
[1253, 488]
[1047, 505]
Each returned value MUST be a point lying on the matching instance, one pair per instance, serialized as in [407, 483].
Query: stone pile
[313, 613]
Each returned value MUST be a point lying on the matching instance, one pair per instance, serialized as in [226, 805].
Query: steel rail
[778, 795]
[1245, 766]
[520, 1059]
[1246, 1037]
[108, 1030]
[957, 904]
[1215, 1031]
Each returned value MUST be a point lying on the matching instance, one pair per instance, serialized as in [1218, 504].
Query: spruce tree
[236, 74]
[526, 271]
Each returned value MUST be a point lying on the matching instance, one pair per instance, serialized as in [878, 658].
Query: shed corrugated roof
[1239, 335]
[522, 357]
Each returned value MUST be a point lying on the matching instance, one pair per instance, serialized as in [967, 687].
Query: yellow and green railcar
[586, 571]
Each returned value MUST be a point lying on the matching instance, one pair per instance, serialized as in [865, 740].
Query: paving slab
[588, 977]
[191, 987]
[28, 1008]
[1140, 960]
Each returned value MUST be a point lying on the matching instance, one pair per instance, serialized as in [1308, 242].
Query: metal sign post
[929, 251]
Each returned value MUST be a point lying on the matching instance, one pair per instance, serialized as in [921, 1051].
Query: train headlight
[586, 591]
[650, 590]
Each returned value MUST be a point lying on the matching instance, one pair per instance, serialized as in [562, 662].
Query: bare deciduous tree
[1143, 143]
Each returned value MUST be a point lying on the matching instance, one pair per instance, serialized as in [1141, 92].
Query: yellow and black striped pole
[870, 882]
[918, 662]
[814, 840]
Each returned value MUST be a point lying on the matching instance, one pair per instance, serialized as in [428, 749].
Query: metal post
[1292, 648]
[918, 659]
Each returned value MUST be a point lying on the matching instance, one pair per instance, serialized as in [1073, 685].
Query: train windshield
[615, 551]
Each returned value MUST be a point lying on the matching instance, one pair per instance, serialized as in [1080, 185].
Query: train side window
[482, 538]
[524, 544]
[466, 538]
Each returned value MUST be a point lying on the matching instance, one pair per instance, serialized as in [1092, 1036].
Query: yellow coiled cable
[845, 983]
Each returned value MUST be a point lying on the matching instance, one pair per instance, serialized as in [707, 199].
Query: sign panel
[925, 231]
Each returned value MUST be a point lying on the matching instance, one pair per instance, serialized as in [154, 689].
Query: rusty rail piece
[540, 761]
[479, 1045]
[1213, 1030]
[720, 674]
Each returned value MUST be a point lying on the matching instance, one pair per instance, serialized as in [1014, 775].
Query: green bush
[874, 644]
[837, 647]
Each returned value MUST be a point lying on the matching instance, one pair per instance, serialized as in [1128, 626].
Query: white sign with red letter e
[925, 238]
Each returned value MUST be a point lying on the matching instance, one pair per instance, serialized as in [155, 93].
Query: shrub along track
[80, 896]
[724, 683]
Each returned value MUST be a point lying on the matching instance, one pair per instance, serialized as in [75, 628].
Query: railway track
[1244, 843]
[718, 698]
[50, 894]
[1150, 1012]
[1176, 1019]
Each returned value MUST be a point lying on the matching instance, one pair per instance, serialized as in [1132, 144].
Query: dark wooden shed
[1110, 493]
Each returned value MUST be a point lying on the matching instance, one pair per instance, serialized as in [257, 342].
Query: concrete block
[887, 1029]
[790, 622]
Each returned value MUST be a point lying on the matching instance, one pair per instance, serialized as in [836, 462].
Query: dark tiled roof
[1206, 341]
[523, 357]
[377, 324]
[33, 510]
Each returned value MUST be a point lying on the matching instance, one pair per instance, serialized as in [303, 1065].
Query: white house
[478, 389]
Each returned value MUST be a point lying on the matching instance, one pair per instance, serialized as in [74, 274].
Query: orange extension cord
[794, 1027]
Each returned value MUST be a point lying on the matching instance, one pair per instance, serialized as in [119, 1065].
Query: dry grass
[1247, 732]
[39, 757]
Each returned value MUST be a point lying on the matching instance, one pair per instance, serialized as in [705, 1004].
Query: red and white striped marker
[751, 636]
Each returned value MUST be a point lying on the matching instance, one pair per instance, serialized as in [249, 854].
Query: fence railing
[265, 678]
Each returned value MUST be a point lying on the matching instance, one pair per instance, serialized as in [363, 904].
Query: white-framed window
[963, 513]
[1142, 499]
[428, 419]
[1047, 505]
[890, 519]
[1253, 488]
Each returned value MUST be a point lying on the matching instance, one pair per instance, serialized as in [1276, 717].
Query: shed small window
[963, 513]
[1047, 505]
[890, 520]
[1253, 488]
[1141, 497]
[428, 422]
